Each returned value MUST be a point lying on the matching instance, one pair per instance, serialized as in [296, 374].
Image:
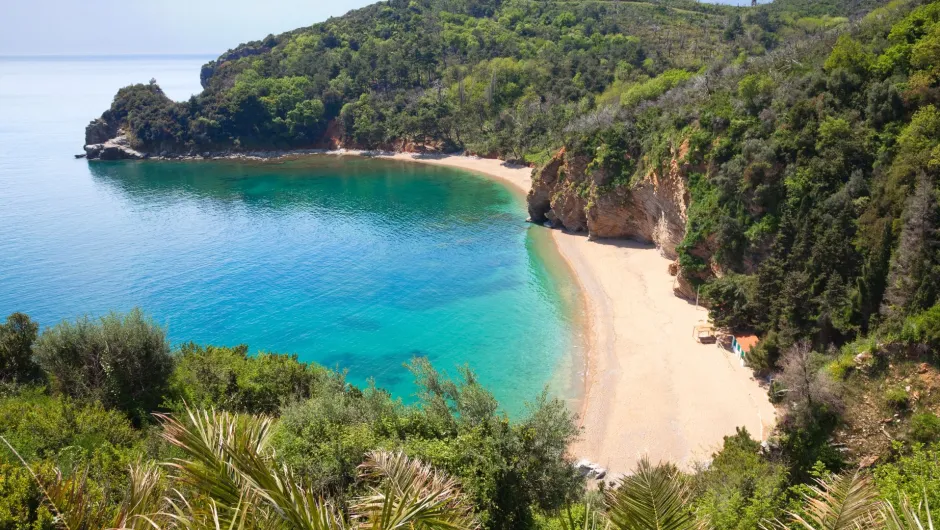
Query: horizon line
[107, 55]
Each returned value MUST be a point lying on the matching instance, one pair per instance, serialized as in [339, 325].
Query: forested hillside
[786, 156]
[798, 193]
[808, 174]
[495, 77]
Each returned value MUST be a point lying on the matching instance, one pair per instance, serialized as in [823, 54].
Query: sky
[128, 27]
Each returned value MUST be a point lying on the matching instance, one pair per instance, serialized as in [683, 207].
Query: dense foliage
[495, 76]
[72, 459]
[84, 415]
[807, 134]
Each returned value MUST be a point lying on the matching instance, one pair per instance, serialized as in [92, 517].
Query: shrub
[46, 427]
[925, 427]
[229, 379]
[21, 506]
[16, 341]
[896, 398]
[842, 366]
[915, 475]
[654, 88]
[923, 329]
[740, 488]
[122, 360]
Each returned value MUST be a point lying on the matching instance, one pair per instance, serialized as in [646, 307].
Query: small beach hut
[742, 344]
[704, 333]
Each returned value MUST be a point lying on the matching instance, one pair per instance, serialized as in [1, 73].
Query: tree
[731, 301]
[849, 54]
[16, 356]
[740, 487]
[915, 268]
[811, 392]
[230, 379]
[122, 360]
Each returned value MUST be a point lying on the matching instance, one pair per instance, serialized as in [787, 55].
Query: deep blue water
[354, 263]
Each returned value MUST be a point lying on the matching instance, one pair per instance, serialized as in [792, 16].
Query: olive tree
[123, 360]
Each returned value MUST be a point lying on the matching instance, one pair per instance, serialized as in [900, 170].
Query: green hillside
[501, 78]
[803, 140]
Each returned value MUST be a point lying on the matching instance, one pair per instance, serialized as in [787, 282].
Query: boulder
[99, 131]
[117, 148]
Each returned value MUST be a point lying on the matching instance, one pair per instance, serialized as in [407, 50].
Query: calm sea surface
[354, 263]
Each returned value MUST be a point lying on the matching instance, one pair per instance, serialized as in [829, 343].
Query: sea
[357, 264]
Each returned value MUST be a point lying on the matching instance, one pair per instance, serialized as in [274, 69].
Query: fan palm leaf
[230, 459]
[144, 497]
[410, 494]
[908, 518]
[843, 502]
[653, 498]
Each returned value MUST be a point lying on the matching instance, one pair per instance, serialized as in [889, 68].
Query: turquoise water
[353, 263]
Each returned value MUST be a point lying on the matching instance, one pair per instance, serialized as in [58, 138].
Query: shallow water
[355, 263]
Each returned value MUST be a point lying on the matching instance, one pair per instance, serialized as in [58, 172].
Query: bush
[740, 488]
[897, 398]
[925, 427]
[923, 329]
[913, 475]
[67, 432]
[16, 341]
[654, 88]
[21, 506]
[842, 366]
[121, 360]
[229, 379]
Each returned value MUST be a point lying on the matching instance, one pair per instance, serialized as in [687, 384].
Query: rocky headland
[652, 209]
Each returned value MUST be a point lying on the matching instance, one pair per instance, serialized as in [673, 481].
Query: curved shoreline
[650, 388]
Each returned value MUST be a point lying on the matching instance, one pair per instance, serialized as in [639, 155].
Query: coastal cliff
[567, 194]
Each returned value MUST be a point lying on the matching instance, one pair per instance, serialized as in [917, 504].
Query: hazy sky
[106, 27]
[117, 27]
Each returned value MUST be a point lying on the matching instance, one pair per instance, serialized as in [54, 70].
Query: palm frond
[143, 499]
[73, 501]
[908, 519]
[230, 460]
[844, 502]
[412, 495]
[206, 439]
[653, 498]
[280, 491]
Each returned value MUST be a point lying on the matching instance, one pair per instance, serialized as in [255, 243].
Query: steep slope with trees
[501, 78]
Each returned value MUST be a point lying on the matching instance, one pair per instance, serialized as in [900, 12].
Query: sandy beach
[650, 389]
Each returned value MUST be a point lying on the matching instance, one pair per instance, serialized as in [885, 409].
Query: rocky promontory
[651, 209]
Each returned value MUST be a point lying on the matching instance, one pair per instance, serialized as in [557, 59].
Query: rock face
[99, 131]
[117, 148]
[652, 210]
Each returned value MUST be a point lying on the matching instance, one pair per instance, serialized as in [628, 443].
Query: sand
[650, 389]
[518, 177]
